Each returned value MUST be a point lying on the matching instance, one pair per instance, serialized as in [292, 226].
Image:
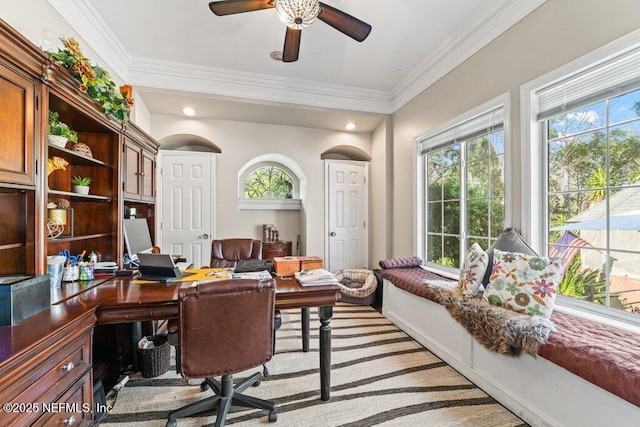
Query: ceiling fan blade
[291, 45]
[229, 7]
[343, 22]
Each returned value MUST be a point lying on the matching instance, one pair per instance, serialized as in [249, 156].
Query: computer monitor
[137, 237]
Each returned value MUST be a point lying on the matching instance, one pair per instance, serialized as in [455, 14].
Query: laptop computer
[159, 267]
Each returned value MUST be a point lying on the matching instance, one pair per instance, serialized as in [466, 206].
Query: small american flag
[567, 247]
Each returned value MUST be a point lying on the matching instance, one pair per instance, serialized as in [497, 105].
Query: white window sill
[270, 204]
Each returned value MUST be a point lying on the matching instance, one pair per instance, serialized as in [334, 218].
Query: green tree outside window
[268, 182]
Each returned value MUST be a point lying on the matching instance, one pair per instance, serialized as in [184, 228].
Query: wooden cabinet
[46, 362]
[276, 249]
[17, 133]
[121, 164]
[139, 165]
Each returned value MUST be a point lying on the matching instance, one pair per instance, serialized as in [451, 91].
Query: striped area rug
[379, 376]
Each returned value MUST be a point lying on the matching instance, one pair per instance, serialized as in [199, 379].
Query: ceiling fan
[297, 14]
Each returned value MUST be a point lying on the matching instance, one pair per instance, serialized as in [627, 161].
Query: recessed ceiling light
[350, 126]
[189, 111]
[276, 55]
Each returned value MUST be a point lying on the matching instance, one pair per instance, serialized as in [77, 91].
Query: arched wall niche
[187, 142]
[345, 152]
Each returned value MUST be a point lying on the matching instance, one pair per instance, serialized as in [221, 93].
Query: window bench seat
[587, 373]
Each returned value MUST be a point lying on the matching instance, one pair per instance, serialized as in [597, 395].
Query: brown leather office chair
[227, 252]
[225, 327]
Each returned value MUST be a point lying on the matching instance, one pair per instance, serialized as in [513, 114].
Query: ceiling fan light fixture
[298, 14]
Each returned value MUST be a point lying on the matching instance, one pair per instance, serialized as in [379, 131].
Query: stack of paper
[318, 276]
[255, 275]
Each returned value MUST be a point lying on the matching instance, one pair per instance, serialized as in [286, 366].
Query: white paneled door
[186, 204]
[346, 214]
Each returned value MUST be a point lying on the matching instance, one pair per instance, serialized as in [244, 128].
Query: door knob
[332, 234]
[204, 236]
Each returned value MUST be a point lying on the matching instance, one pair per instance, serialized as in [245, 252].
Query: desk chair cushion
[226, 253]
[225, 326]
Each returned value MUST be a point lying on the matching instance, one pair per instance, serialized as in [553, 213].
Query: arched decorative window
[266, 183]
[269, 182]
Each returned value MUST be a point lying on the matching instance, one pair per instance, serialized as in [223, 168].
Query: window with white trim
[589, 132]
[462, 187]
[269, 185]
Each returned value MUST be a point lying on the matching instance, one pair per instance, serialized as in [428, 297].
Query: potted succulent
[81, 184]
[59, 132]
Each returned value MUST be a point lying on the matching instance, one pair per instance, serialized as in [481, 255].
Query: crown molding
[478, 32]
[263, 87]
[177, 76]
[83, 18]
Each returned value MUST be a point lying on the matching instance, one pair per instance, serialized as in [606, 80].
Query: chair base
[225, 396]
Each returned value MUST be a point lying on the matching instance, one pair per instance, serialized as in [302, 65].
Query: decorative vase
[58, 141]
[81, 189]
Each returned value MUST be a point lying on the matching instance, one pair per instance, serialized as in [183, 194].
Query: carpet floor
[380, 376]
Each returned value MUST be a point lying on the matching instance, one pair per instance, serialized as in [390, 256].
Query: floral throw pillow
[524, 283]
[473, 269]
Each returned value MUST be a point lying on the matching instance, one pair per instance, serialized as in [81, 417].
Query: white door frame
[213, 160]
[327, 243]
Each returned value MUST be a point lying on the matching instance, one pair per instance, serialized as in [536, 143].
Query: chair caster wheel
[204, 386]
[257, 383]
[273, 416]
[174, 423]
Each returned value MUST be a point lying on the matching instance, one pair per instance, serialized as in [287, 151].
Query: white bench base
[536, 390]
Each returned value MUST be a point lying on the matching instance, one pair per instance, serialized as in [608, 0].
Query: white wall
[552, 35]
[380, 197]
[240, 142]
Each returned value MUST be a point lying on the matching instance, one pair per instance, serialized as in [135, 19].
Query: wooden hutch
[48, 357]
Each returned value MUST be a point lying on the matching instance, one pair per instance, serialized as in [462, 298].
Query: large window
[463, 187]
[589, 124]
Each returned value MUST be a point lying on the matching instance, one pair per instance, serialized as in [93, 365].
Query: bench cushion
[602, 354]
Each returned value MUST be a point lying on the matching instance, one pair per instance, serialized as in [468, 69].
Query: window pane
[573, 161]
[577, 121]
[451, 255]
[451, 220]
[624, 154]
[625, 280]
[451, 183]
[563, 208]
[478, 217]
[624, 107]
[497, 176]
[434, 248]
[497, 217]
[496, 139]
[434, 219]
[477, 148]
[477, 179]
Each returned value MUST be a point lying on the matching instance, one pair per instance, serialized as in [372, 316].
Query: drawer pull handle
[70, 421]
[68, 367]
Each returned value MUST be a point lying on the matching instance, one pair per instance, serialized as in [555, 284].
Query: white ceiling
[177, 52]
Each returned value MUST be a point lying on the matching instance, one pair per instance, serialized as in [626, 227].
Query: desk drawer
[74, 408]
[49, 376]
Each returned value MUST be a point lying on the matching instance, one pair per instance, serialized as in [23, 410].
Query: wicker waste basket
[155, 361]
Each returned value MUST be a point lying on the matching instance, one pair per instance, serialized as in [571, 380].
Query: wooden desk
[121, 301]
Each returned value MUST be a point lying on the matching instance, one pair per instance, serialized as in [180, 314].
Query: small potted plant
[60, 133]
[81, 184]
